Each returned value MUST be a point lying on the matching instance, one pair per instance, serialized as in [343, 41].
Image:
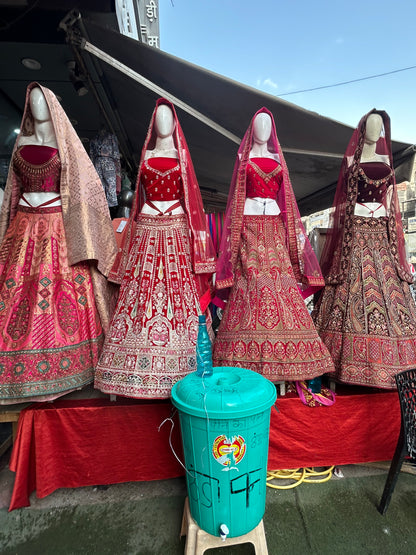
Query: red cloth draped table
[96, 441]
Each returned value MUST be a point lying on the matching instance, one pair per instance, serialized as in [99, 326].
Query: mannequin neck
[260, 150]
[45, 133]
[369, 154]
[164, 148]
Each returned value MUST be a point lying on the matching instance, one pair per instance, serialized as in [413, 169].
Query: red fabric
[266, 185]
[92, 442]
[37, 154]
[162, 179]
[162, 163]
[357, 428]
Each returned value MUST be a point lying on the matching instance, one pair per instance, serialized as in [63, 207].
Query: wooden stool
[198, 541]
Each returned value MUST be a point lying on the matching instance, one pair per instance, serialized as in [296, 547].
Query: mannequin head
[39, 106]
[262, 128]
[164, 121]
[373, 128]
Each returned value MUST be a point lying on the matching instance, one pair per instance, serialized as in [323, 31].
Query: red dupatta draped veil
[302, 256]
[202, 248]
[336, 254]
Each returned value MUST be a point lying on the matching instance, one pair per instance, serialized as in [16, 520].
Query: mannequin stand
[198, 541]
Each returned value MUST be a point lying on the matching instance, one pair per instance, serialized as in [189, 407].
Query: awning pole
[85, 45]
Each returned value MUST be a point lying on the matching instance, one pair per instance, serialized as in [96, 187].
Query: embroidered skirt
[266, 326]
[50, 332]
[151, 343]
[368, 322]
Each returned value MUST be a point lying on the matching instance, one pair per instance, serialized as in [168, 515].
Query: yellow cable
[299, 475]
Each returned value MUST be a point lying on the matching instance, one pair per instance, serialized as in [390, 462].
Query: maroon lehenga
[151, 343]
[266, 261]
[366, 314]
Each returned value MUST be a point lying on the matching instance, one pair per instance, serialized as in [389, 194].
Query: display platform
[88, 442]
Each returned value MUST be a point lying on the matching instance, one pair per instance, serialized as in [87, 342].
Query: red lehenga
[51, 332]
[267, 267]
[366, 314]
[151, 343]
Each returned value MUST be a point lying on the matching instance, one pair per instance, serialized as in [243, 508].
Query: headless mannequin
[262, 128]
[164, 148]
[44, 135]
[373, 129]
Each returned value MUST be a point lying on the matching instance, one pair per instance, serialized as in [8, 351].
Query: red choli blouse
[162, 179]
[39, 168]
[264, 177]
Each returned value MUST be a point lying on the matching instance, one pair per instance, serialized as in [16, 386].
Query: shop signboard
[139, 19]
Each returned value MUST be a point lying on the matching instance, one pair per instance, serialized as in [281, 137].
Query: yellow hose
[299, 475]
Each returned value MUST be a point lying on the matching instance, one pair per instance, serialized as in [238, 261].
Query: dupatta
[303, 259]
[336, 254]
[88, 230]
[202, 249]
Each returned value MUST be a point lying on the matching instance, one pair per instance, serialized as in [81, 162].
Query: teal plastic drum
[225, 420]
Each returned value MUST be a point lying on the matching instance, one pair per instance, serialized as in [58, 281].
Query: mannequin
[265, 267]
[44, 135]
[54, 253]
[164, 148]
[373, 130]
[262, 128]
[163, 271]
[366, 315]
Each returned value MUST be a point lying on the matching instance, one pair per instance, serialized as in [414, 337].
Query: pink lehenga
[51, 331]
[366, 314]
[164, 267]
[266, 267]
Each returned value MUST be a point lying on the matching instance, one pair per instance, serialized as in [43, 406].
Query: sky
[282, 47]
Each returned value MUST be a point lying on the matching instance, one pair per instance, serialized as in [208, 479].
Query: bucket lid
[229, 392]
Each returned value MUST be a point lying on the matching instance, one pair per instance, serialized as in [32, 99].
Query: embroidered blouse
[373, 180]
[264, 177]
[162, 179]
[39, 168]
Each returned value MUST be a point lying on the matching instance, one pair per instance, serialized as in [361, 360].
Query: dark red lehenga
[266, 326]
[368, 322]
[50, 331]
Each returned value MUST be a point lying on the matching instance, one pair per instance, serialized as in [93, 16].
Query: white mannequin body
[44, 135]
[373, 129]
[164, 148]
[262, 128]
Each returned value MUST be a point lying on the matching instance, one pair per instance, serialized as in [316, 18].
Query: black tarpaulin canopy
[313, 145]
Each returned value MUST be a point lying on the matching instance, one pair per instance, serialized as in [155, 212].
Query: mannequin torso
[44, 135]
[256, 206]
[372, 133]
[164, 148]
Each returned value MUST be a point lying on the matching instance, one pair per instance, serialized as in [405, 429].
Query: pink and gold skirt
[266, 326]
[151, 343]
[368, 322]
[50, 332]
